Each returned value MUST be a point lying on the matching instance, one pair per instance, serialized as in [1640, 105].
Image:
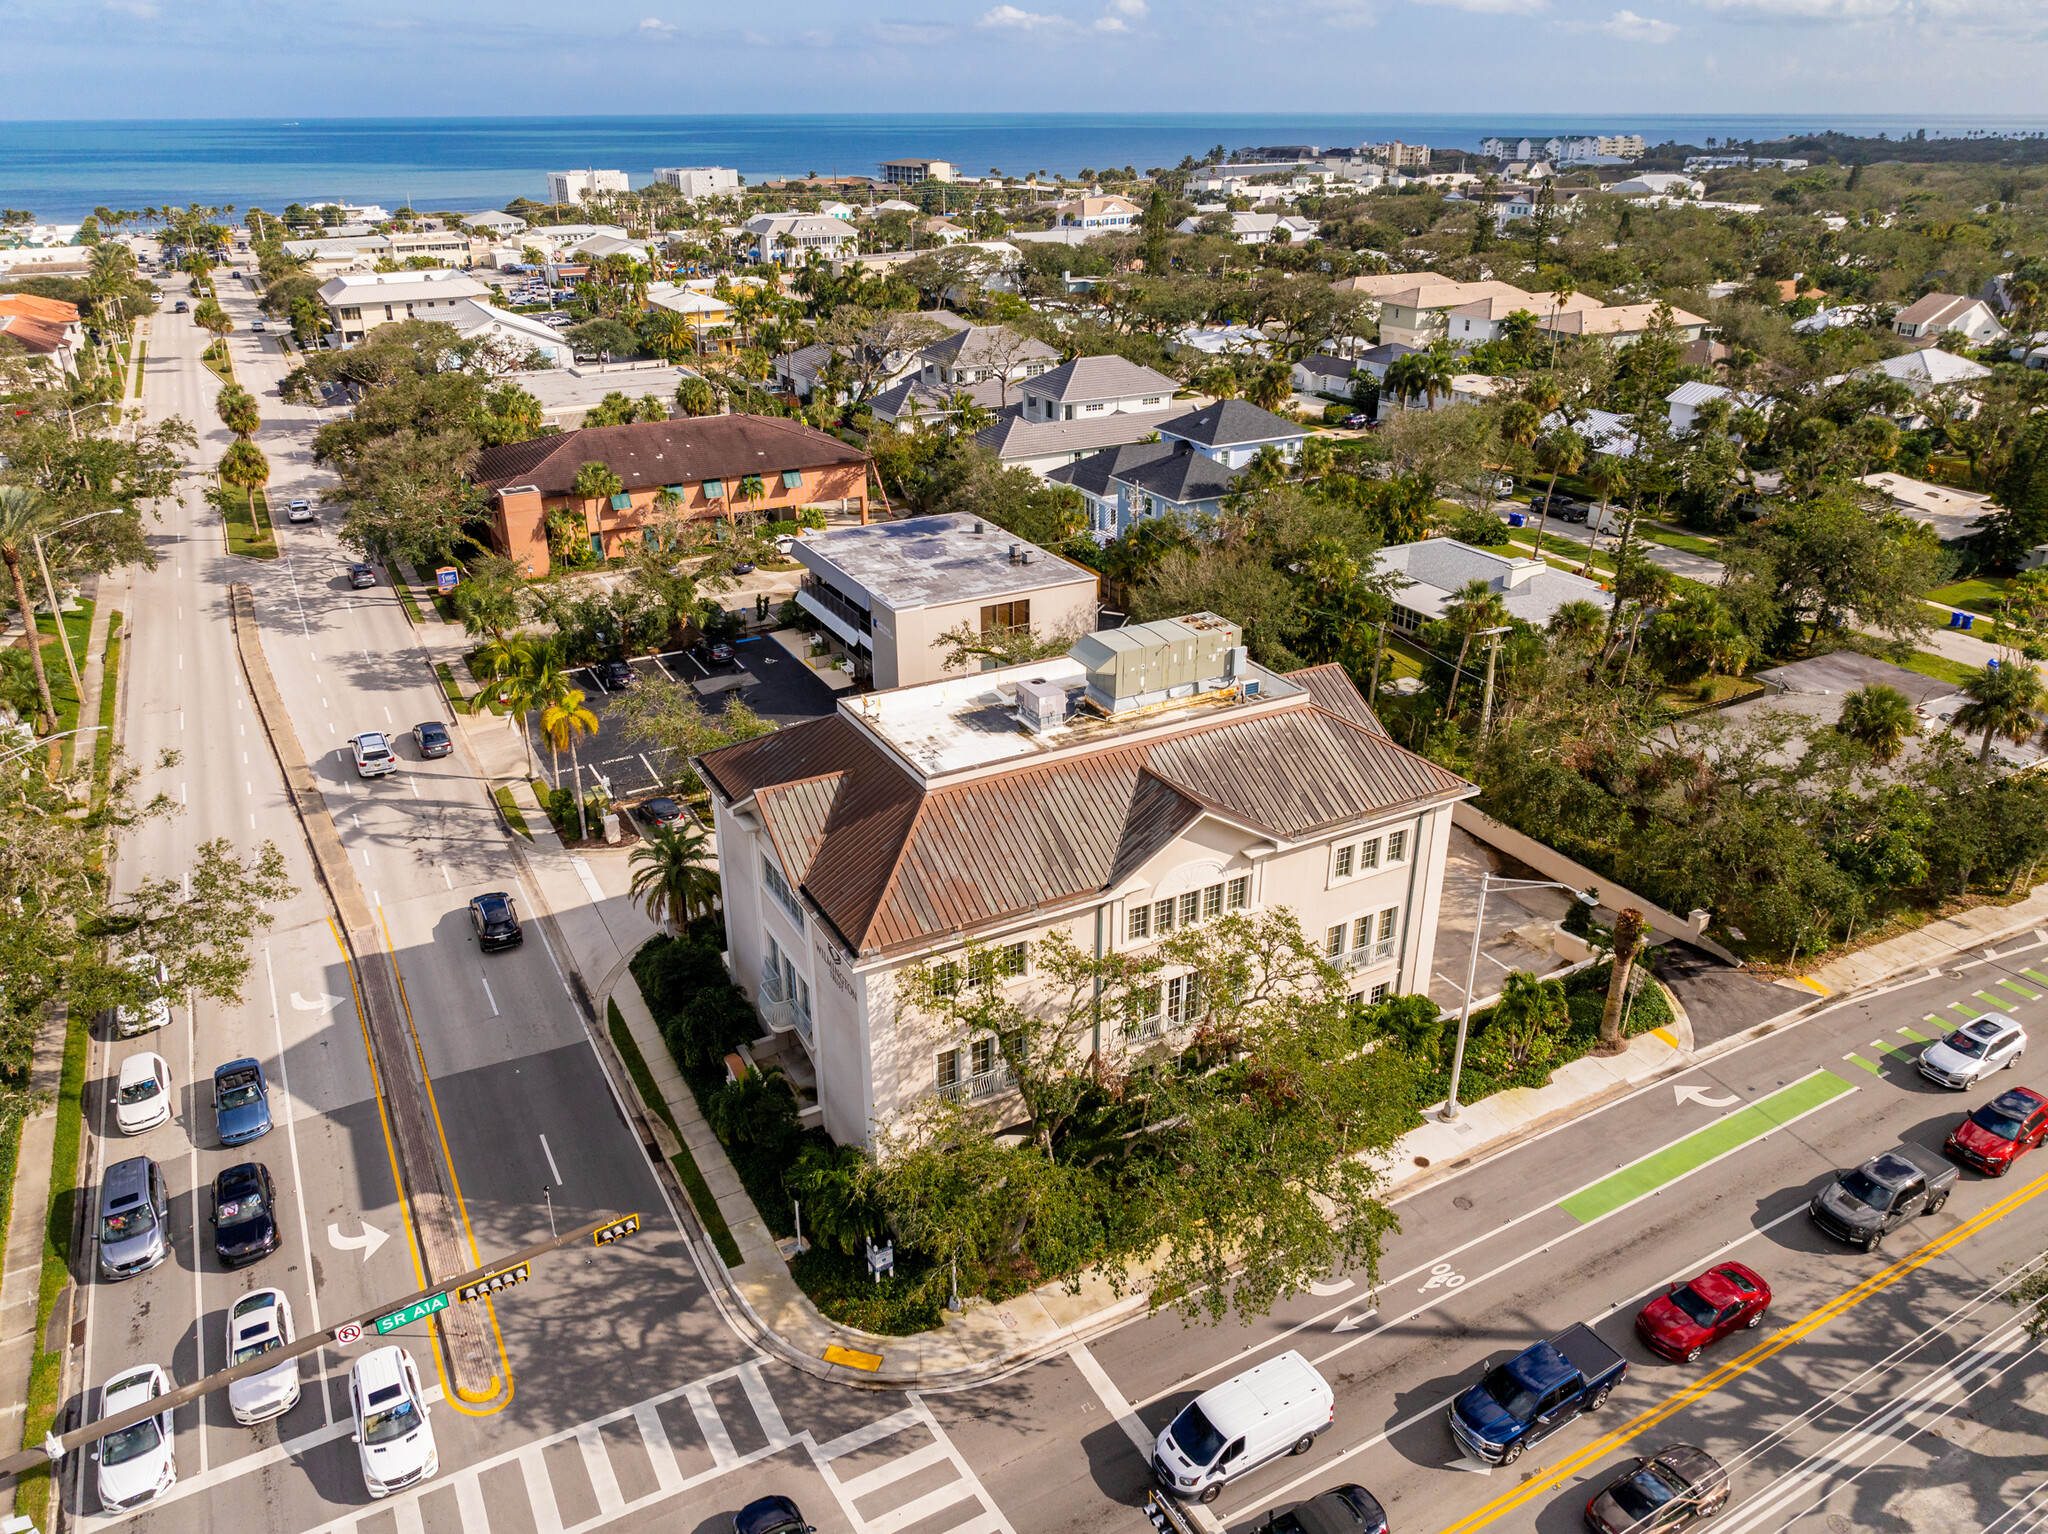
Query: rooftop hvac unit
[1146, 663]
[1013, 553]
[1041, 705]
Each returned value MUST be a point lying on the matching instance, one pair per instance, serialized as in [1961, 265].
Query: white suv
[374, 757]
[392, 1437]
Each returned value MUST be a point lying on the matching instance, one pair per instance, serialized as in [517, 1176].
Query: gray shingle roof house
[1435, 568]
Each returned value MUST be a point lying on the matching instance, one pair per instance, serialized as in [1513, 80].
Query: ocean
[63, 170]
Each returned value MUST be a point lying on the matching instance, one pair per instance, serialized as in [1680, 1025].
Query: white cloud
[654, 26]
[146, 10]
[1631, 28]
[1493, 7]
[914, 34]
[1120, 14]
[1011, 17]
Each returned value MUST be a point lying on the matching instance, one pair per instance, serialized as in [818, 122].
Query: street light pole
[1487, 883]
[50, 591]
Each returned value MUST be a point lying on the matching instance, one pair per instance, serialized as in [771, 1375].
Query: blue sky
[375, 58]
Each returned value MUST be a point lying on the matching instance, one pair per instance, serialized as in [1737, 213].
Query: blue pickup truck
[1535, 1393]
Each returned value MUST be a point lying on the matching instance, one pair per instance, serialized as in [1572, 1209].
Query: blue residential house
[1185, 470]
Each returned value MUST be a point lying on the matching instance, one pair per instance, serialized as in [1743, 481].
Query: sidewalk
[22, 1274]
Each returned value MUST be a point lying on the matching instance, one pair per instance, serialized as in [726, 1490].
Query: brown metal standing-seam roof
[891, 864]
[682, 451]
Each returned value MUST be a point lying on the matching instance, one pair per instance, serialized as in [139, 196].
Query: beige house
[1619, 324]
[1419, 314]
[886, 592]
[1152, 779]
[358, 302]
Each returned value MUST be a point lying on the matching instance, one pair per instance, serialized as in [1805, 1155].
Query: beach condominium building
[695, 181]
[570, 185]
[910, 172]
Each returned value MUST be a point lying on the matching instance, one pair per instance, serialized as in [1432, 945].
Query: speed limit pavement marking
[346, 1334]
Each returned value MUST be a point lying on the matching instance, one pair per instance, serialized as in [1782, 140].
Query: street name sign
[419, 1310]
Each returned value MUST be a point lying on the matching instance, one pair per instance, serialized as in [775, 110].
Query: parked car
[1996, 1135]
[261, 1322]
[1358, 420]
[136, 1464]
[361, 575]
[1679, 1324]
[142, 1094]
[154, 1010]
[661, 812]
[1340, 1510]
[770, 1515]
[1279, 1407]
[393, 1438]
[616, 675]
[134, 1204]
[1966, 1056]
[299, 511]
[433, 739]
[743, 567]
[245, 1227]
[1534, 1394]
[720, 653]
[1864, 1205]
[496, 922]
[1670, 1489]
[241, 1101]
[373, 755]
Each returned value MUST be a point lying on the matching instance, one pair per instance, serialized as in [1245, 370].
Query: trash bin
[611, 827]
[1517, 519]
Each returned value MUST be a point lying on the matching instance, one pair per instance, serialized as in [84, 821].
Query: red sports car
[1680, 1324]
[1999, 1133]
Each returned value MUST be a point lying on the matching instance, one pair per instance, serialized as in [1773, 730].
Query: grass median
[509, 808]
[247, 520]
[110, 683]
[694, 1185]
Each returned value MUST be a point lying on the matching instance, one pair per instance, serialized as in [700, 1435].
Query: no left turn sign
[344, 1335]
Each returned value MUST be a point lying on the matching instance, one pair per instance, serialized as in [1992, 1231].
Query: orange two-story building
[737, 467]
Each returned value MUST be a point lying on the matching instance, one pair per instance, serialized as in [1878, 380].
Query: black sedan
[496, 923]
[661, 812]
[244, 1214]
[617, 675]
[1340, 1510]
[721, 653]
[770, 1515]
[1676, 1486]
[433, 739]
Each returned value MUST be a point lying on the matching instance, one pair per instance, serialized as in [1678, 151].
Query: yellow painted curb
[852, 1359]
[1814, 986]
[1666, 1035]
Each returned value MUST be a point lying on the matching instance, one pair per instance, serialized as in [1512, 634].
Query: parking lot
[781, 689]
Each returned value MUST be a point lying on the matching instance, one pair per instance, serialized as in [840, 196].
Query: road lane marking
[553, 1170]
[709, 1423]
[1705, 1146]
[291, 1131]
[1734, 1369]
[488, 996]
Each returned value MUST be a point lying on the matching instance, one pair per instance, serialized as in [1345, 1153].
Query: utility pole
[1486, 702]
[1378, 650]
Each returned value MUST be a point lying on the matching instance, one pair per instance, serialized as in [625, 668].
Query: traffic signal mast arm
[602, 1231]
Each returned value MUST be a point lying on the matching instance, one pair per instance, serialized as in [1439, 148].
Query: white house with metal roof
[1434, 570]
[1077, 409]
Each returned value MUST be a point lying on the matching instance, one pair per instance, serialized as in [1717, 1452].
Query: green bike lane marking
[1993, 1001]
[1721, 1138]
[1868, 1065]
[2024, 992]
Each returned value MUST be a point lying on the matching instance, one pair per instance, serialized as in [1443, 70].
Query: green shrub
[838, 1212]
[841, 1287]
[1333, 415]
[709, 1026]
[670, 972]
[1414, 1022]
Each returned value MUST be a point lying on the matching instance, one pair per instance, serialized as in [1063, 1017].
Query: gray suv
[134, 1206]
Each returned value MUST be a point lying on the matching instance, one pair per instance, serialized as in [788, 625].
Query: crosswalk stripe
[711, 1425]
[874, 1432]
[469, 1505]
[920, 1509]
[667, 1477]
[547, 1517]
[882, 1475]
[763, 1403]
[407, 1516]
[598, 1466]
[987, 1523]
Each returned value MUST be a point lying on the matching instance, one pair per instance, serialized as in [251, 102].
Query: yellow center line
[1736, 1367]
[455, 1184]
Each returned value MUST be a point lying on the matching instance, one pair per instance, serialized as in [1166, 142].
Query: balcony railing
[1373, 953]
[838, 606]
[974, 1088]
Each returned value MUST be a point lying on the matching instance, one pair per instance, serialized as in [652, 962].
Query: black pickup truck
[1864, 1205]
[1535, 1393]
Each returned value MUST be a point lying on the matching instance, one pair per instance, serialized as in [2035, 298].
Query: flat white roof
[965, 723]
[932, 561]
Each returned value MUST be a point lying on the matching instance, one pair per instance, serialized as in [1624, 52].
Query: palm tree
[674, 882]
[695, 397]
[1521, 423]
[25, 513]
[1605, 474]
[1559, 452]
[1577, 624]
[1435, 366]
[1472, 609]
[244, 466]
[562, 720]
[1271, 386]
[1878, 718]
[2002, 703]
[238, 411]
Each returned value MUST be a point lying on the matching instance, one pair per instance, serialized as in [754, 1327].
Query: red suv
[1996, 1135]
[1679, 1324]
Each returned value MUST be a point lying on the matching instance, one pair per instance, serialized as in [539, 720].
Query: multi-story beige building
[1152, 779]
[358, 302]
[886, 592]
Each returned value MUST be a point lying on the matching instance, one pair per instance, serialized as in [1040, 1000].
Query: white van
[1278, 1408]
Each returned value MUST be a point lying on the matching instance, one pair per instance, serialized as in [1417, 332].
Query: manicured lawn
[1977, 596]
[513, 815]
[216, 357]
[1942, 669]
[1685, 541]
[247, 536]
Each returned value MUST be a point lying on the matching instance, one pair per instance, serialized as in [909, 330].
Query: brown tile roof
[676, 452]
[38, 336]
[891, 865]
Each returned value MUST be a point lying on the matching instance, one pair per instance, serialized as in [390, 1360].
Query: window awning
[622, 502]
[792, 479]
[677, 490]
[714, 489]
